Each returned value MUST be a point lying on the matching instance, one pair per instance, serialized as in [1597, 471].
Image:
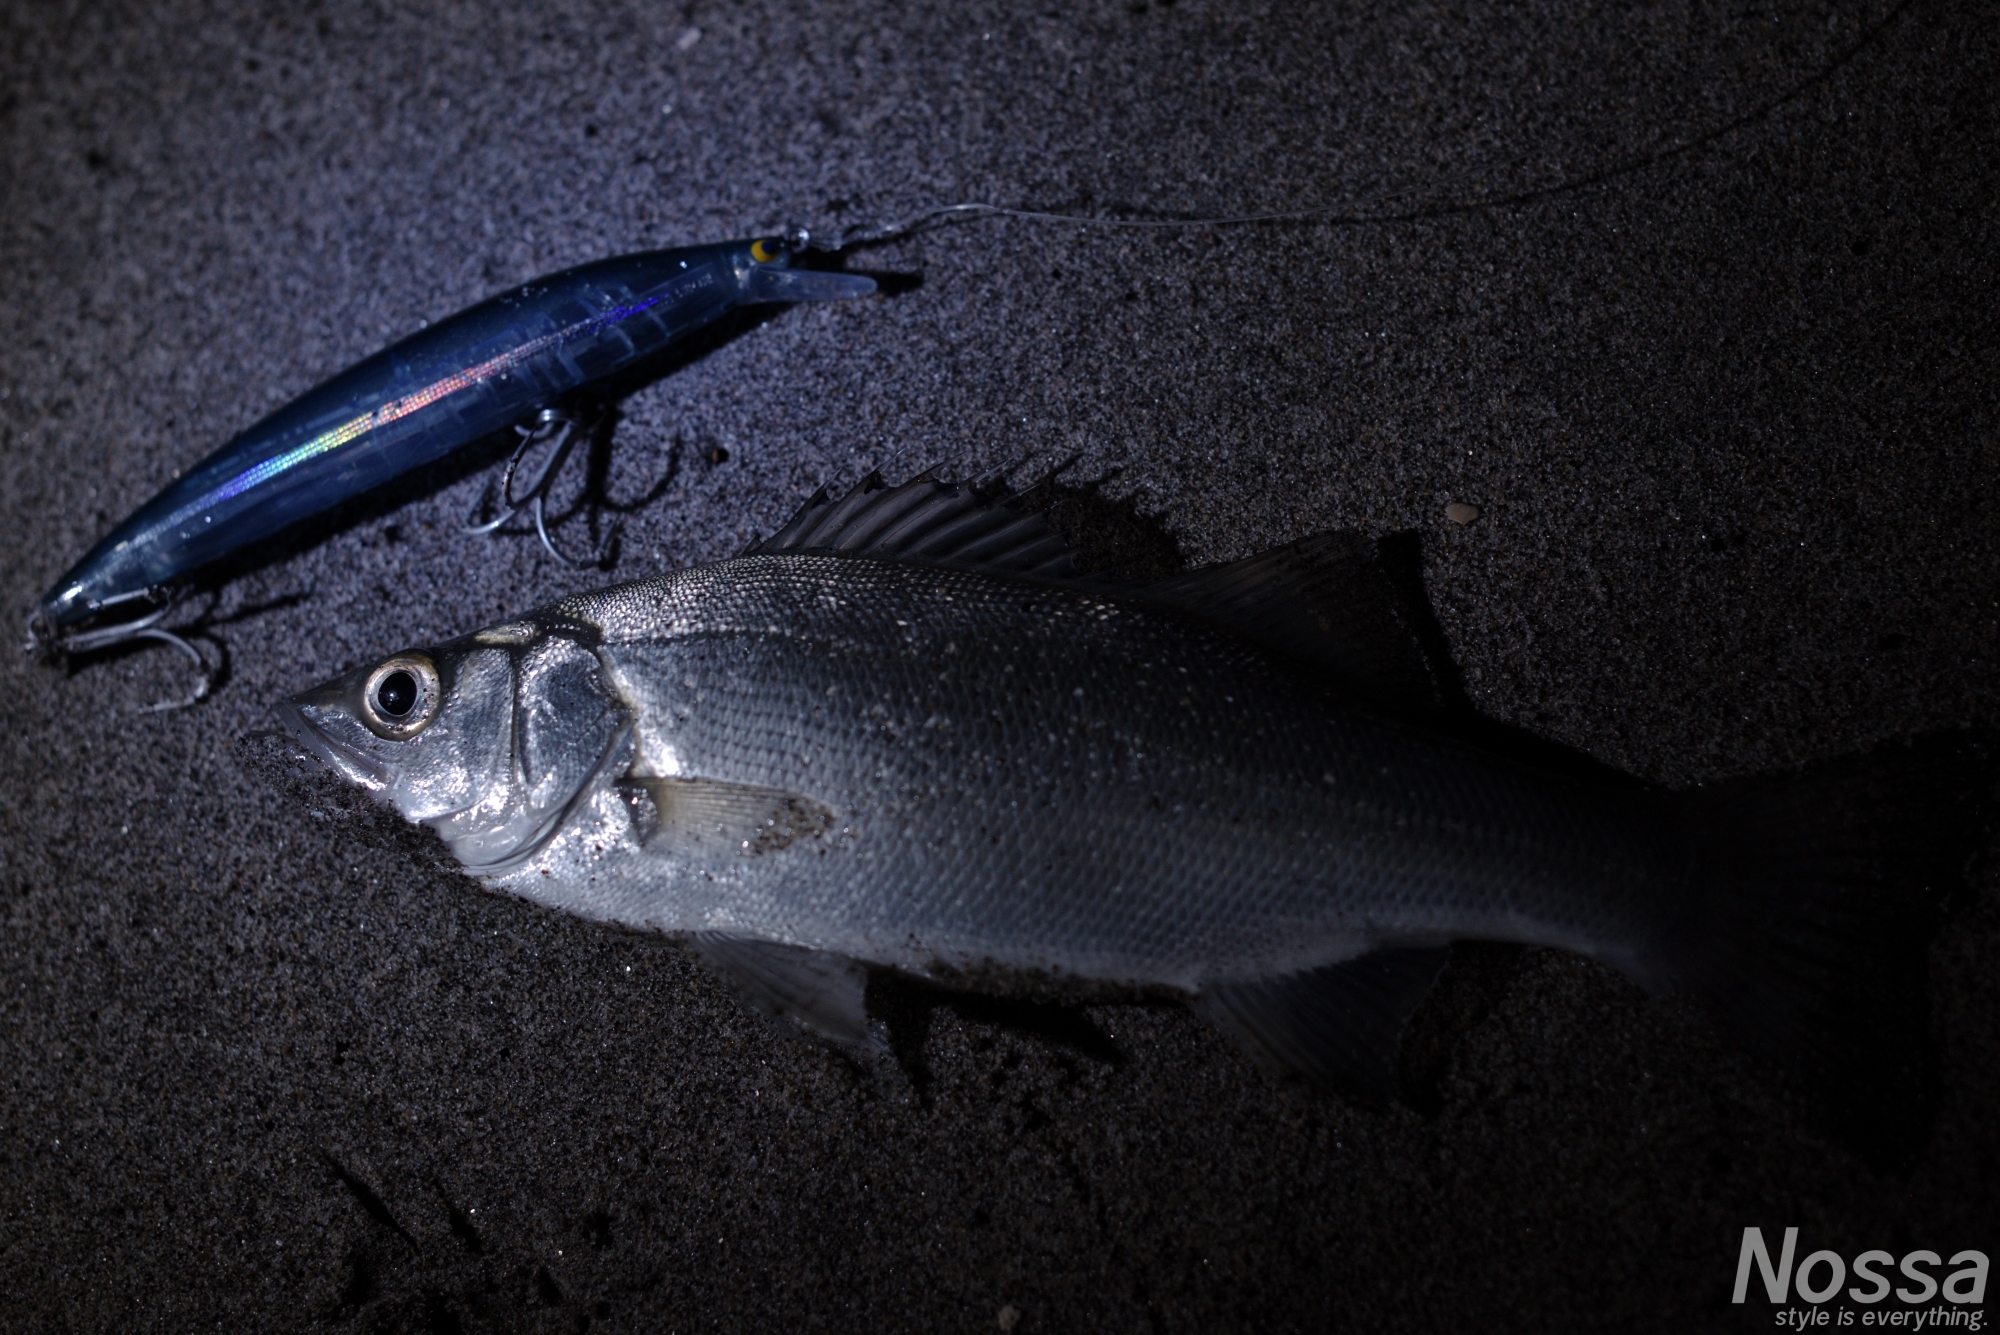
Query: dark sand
[1696, 304]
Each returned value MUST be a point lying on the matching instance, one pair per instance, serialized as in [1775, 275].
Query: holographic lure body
[461, 380]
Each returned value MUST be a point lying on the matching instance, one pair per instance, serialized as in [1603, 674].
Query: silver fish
[902, 734]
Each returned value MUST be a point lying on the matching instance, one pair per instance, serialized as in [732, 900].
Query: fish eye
[396, 694]
[401, 697]
[765, 249]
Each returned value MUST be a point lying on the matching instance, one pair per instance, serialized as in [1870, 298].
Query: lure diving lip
[490, 367]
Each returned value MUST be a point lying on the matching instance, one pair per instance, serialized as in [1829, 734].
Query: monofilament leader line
[1362, 212]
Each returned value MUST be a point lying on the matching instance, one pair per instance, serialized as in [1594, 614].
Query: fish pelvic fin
[1338, 1025]
[1822, 891]
[823, 992]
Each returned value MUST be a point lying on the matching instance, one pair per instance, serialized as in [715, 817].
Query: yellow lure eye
[764, 251]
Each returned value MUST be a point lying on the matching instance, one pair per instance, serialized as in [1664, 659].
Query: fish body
[839, 751]
[463, 379]
[1041, 778]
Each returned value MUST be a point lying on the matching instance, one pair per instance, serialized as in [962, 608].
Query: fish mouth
[361, 770]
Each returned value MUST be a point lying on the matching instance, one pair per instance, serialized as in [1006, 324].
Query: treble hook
[203, 685]
[145, 628]
[563, 429]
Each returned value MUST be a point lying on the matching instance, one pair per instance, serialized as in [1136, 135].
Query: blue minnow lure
[500, 364]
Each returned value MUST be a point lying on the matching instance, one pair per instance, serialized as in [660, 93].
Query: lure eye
[764, 250]
[401, 697]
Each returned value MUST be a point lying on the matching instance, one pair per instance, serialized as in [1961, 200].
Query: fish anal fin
[1330, 602]
[710, 818]
[926, 520]
[822, 991]
[1337, 1025]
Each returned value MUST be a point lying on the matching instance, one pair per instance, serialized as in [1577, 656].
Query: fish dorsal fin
[924, 519]
[1328, 601]
[826, 993]
[709, 819]
[1337, 1025]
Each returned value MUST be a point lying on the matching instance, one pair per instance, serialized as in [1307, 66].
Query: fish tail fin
[1811, 942]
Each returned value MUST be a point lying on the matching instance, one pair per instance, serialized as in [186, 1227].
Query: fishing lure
[514, 360]
[518, 360]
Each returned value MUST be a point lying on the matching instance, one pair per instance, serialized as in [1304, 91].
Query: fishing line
[1362, 213]
[944, 213]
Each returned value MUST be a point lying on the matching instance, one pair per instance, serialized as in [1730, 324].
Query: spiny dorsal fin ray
[924, 519]
[1337, 1025]
[785, 536]
[1327, 601]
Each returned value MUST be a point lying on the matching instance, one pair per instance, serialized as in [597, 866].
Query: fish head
[489, 739]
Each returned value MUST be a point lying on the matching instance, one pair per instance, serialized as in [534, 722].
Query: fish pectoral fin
[818, 989]
[1333, 602]
[1337, 1025]
[684, 817]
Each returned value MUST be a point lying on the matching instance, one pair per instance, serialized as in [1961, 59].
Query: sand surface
[1695, 304]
